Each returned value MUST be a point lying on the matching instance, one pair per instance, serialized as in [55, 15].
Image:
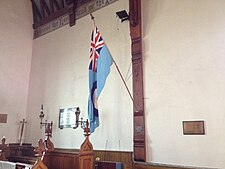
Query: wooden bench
[50, 158]
[76, 159]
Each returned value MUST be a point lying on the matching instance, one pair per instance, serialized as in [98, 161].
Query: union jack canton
[96, 45]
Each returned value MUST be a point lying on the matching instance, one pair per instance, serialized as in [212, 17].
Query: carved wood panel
[86, 159]
[58, 159]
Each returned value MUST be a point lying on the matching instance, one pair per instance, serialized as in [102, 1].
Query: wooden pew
[65, 159]
[62, 159]
[86, 154]
[15, 152]
[39, 165]
[23, 166]
[40, 150]
[50, 158]
[12, 165]
[3, 150]
[21, 153]
[71, 159]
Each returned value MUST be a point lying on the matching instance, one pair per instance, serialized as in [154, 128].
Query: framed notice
[193, 128]
[67, 118]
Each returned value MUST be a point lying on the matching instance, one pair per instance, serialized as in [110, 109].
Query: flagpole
[124, 82]
[92, 17]
[121, 76]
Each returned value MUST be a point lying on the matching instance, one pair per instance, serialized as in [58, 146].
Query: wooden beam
[72, 6]
[42, 8]
[138, 90]
[36, 13]
[55, 8]
[56, 4]
[45, 6]
[51, 6]
[62, 5]
[50, 18]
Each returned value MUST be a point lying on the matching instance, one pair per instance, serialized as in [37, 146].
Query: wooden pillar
[138, 92]
[72, 6]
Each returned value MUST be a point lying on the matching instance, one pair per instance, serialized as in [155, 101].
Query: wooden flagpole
[117, 68]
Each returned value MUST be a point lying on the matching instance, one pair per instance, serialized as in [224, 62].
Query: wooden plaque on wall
[3, 118]
[193, 128]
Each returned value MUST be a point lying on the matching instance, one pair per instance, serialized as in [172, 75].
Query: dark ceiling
[45, 11]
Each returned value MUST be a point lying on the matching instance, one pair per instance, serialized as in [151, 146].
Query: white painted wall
[183, 43]
[184, 47]
[59, 79]
[15, 59]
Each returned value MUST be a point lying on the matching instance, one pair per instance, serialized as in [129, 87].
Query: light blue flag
[99, 69]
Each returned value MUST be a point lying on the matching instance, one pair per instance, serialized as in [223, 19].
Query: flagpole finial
[92, 17]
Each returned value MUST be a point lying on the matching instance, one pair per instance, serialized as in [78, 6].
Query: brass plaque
[3, 118]
[193, 128]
